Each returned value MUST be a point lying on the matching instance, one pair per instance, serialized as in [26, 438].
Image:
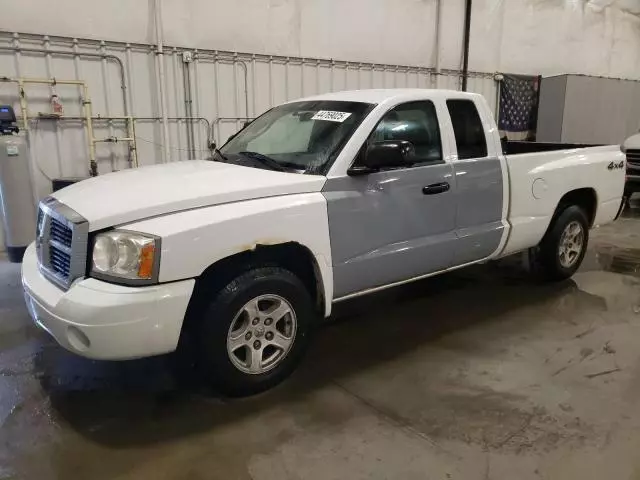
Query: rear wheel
[254, 331]
[564, 246]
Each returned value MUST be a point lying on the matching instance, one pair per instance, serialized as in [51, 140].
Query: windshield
[302, 136]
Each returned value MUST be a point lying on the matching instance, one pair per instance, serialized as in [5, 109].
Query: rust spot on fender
[263, 242]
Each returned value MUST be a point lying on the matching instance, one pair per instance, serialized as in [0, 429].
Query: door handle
[436, 188]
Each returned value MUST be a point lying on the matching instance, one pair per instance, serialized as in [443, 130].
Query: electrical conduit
[166, 139]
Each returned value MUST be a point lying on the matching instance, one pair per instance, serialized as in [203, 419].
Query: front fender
[193, 240]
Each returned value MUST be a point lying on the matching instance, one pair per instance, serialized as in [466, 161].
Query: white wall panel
[594, 37]
[226, 87]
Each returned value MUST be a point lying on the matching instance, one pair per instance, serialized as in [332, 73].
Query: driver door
[398, 223]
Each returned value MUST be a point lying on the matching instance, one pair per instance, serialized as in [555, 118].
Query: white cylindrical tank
[16, 196]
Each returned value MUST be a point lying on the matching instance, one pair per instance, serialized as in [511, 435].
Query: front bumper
[100, 320]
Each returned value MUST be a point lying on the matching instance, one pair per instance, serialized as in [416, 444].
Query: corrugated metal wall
[226, 87]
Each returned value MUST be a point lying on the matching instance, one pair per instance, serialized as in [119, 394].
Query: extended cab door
[398, 223]
[478, 172]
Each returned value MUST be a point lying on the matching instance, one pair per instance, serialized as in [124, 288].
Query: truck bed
[539, 178]
[521, 147]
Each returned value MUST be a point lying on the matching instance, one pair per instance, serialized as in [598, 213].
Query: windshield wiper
[268, 161]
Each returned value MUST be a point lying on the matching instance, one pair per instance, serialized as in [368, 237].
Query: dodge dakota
[315, 202]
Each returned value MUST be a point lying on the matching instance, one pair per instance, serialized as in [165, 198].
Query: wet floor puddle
[619, 260]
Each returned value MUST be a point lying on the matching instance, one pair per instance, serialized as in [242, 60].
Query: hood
[131, 195]
[632, 143]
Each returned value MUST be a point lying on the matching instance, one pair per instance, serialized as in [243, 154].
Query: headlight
[126, 257]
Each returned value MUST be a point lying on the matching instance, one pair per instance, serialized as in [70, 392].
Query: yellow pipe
[23, 106]
[88, 116]
[134, 145]
[93, 166]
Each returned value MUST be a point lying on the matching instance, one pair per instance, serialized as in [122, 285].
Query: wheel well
[293, 256]
[584, 198]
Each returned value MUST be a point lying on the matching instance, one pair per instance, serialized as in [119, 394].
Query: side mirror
[387, 154]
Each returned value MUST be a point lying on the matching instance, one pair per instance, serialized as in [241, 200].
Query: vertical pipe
[88, 114]
[317, 87]
[346, 75]
[132, 127]
[197, 103]
[107, 101]
[132, 98]
[467, 39]
[286, 79]
[438, 42]
[270, 82]
[333, 67]
[245, 79]
[23, 106]
[373, 75]
[133, 145]
[253, 86]
[216, 98]
[52, 91]
[236, 113]
[18, 55]
[157, 145]
[302, 77]
[161, 80]
[188, 109]
[76, 64]
[78, 76]
[25, 122]
[175, 65]
[132, 102]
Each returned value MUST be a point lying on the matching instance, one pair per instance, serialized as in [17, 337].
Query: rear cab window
[471, 140]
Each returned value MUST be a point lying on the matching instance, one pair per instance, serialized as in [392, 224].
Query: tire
[225, 325]
[558, 257]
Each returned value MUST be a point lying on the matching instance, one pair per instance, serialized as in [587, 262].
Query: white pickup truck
[315, 202]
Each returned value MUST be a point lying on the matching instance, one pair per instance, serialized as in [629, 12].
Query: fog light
[77, 339]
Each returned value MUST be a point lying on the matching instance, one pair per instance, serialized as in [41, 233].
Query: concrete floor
[480, 374]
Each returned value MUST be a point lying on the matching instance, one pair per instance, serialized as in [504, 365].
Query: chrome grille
[60, 261]
[61, 233]
[61, 243]
[633, 159]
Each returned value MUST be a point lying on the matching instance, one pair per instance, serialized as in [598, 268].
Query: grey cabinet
[590, 110]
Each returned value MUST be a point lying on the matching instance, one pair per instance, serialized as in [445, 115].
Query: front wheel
[255, 331]
[564, 246]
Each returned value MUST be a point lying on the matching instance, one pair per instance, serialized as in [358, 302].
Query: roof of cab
[382, 95]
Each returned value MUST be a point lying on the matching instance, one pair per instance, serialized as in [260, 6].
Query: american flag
[518, 107]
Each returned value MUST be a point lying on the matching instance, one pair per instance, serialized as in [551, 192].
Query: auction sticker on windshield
[331, 116]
